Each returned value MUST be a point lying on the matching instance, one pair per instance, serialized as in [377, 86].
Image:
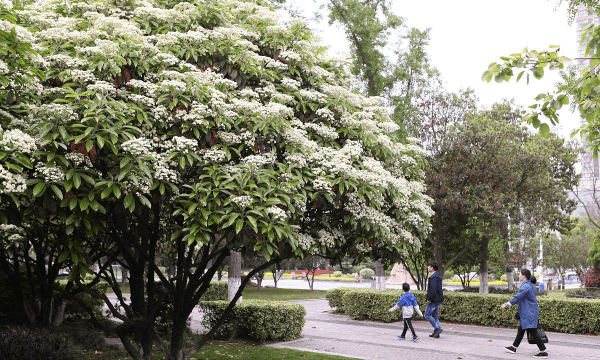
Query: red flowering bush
[591, 279]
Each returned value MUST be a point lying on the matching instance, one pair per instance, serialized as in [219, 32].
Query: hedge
[260, 320]
[573, 316]
[18, 343]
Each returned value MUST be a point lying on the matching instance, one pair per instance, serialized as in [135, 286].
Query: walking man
[434, 298]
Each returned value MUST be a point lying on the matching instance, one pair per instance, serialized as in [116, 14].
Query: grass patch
[282, 294]
[221, 350]
[218, 350]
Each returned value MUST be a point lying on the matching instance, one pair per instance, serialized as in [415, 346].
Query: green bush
[17, 343]
[335, 298]
[260, 320]
[562, 315]
[504, 278]
[367, 273]
[337, 274]
[217, 290]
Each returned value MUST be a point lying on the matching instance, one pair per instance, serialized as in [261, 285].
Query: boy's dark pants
[407, 324]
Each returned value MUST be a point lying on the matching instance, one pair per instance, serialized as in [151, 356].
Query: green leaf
[117, 191]
[544, 129]
[127, 201]
[144, 200]
[76, 180]
[73, 203]
[239, 225]
[39, 189]
[84, 204]
[62, 257]
[57, 191]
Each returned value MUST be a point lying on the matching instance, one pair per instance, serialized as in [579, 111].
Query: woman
[528, 314]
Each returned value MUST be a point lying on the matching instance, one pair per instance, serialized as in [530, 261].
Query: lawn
[218, 350]
[282, 294]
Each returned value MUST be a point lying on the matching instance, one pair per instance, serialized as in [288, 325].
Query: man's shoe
[432, 334]
[541, 354]
[401, 337]
[415, 339]
[436, 334]
[511, 349]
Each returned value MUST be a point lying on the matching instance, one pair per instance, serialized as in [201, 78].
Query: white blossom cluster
[242, 201]
[17, 140]
[6, 4]
[277, 213]
[326, 114]
[57, 111]
[162, 172]
[11, 183]
[137, 146]
[102, 87]
[213, 155]
[81, 76]
[147, 88]
[323, 186]
[330, 238]
[258, 161]
[51, 175]
[4, 68]
[292, 56]
[228, 138]
[313, 95]
[78, 158]
[305, 241]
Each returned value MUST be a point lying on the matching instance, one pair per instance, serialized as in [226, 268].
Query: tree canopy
[202, 127]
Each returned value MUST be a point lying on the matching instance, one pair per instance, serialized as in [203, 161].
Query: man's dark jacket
[434, 289]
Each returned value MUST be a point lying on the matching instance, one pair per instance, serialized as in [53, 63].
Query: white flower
[277, 213]
[16, 140]
[242, 201]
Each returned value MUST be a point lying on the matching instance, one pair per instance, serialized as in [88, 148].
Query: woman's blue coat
[528, 305]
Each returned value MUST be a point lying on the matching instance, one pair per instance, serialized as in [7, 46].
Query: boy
[409, 304]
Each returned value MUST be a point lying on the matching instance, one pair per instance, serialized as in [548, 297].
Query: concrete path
[340, 335]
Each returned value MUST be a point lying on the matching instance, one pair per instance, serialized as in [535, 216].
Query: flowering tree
[204, 127]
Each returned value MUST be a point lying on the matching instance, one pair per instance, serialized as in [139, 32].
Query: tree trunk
[59, 313]
[483, 265]
[379, 276]
[311, 280]
[510, 278]
[234, 279]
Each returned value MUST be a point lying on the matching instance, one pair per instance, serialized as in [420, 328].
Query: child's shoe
[415, 338]
[401, 337]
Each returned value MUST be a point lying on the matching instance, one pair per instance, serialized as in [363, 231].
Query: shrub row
[260, 320]
[562, 315]
[19, 343]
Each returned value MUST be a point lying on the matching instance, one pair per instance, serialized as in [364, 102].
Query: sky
[468, 35]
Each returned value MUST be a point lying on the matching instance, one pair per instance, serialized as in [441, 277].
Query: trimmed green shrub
[337, 274]
[17, 343]
[367, 273]
[335, 298]
[562, 315]
[260, 320]
[370, 304]
[217, 290]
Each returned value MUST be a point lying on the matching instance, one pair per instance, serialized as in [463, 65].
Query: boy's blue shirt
[408, 299]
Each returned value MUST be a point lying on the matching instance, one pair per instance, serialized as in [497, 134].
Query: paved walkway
[340, 335]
